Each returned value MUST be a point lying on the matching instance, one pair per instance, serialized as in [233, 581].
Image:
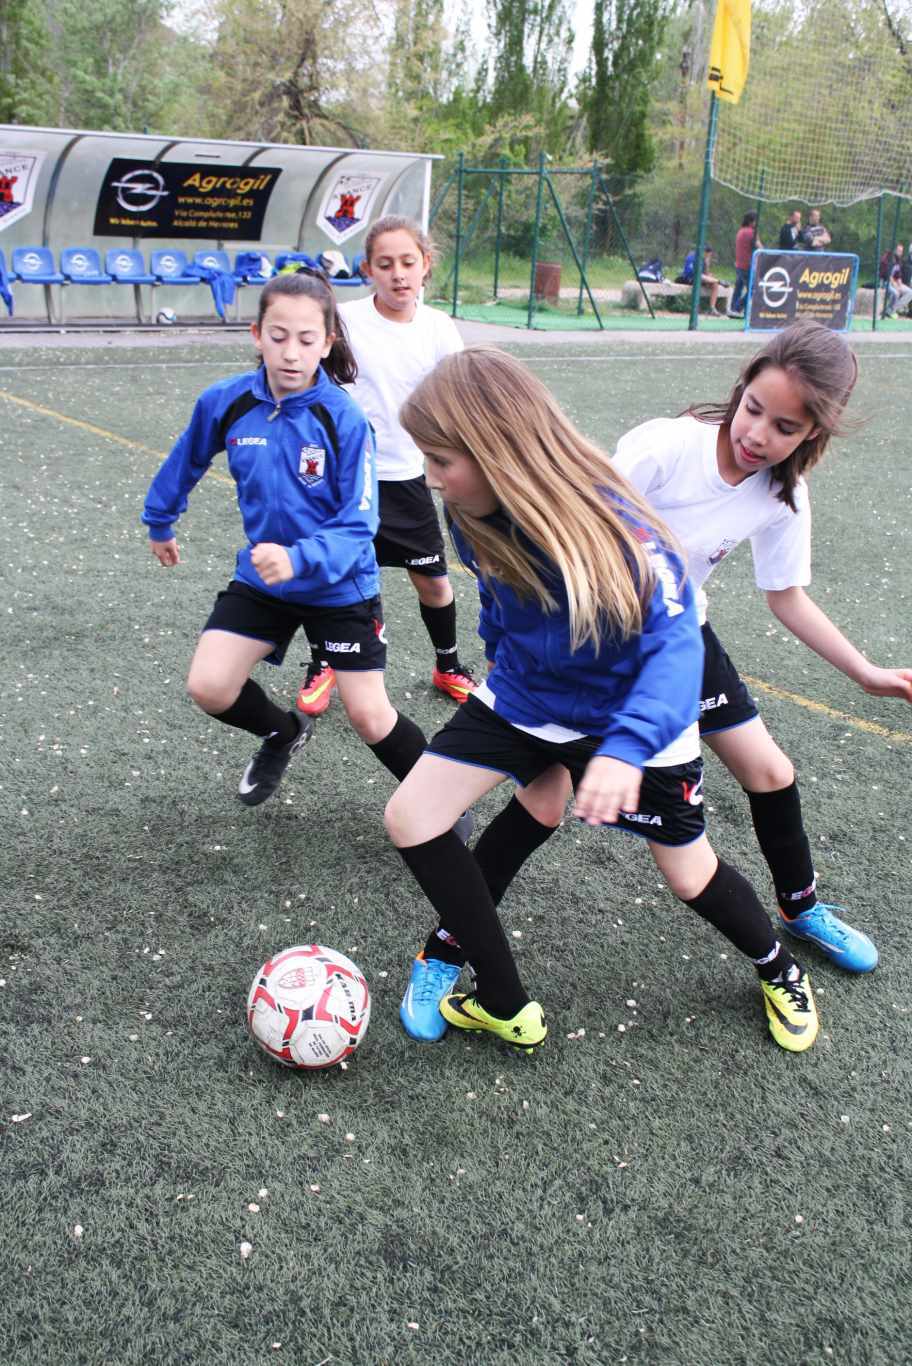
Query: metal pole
[538, 212]
[759, 206]
[880, 206]
[587, 233]
[895, 233]
[500, 201]
[459, 190]
[704, 211]
[626, 245]
[439, 198]
[579, 265]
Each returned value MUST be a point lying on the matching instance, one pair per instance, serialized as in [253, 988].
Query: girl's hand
[888, 683]
[166, 552]
[608, 786]
[272, 562]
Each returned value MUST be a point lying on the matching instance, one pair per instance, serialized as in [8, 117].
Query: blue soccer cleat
[820, 925]
[431, 980]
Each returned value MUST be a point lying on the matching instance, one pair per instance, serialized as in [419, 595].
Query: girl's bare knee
[395, 819]
[209, 694]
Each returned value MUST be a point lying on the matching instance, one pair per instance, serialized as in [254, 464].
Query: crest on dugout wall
[346, 204]
[18, 178]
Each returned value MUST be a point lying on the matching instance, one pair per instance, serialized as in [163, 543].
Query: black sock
[253, 711]
[447, 873]
[401, 748]
[729, 902]
[775, 964]
[505, 844]
[784, 844]
[441, 627]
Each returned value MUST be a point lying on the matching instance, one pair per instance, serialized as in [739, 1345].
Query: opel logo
[775, 286]
[140, 191]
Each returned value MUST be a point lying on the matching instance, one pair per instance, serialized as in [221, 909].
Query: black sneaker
[267, 767]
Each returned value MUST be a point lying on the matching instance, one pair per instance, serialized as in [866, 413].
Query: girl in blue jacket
[595, 662]
[302, 455]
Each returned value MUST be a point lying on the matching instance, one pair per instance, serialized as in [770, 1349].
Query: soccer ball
[166, 317]
[308, 1007]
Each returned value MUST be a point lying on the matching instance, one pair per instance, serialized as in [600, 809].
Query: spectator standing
[815, 236]
[746, 242]
[790, 232]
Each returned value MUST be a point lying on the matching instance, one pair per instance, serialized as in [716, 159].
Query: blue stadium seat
[170, 268]
[291, 258]
[243, 272]
[215, 260]
[82, 266]
[35, 266]
[6, 279]
[127, 267]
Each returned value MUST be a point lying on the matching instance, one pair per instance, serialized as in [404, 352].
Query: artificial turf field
[665, 1187]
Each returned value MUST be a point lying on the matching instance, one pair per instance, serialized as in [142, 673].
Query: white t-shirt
[392, 359]
[672, 462]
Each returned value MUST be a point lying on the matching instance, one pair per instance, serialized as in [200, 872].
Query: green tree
[113, 61]
[527, 72]
[616, 95]
[25, 63]
[304, 71]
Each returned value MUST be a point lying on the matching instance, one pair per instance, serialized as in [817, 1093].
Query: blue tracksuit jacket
[306, 480]
[637, 695]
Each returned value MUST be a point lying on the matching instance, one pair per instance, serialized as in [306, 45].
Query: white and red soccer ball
[308, 1006]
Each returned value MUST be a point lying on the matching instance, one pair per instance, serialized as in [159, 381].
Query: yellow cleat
[790, 1010]
[525, 1030]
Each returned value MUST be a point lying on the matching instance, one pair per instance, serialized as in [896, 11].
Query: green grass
[677, 1192]
[477, 269]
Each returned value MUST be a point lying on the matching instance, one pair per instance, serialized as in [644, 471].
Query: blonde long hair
[558, 488]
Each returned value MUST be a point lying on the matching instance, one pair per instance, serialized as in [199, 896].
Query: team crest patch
[312, 463]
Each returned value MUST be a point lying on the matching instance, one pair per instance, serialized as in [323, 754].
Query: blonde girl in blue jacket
[595, 662]
[302, 455]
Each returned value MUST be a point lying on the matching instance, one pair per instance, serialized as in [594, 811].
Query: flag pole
[704, 211]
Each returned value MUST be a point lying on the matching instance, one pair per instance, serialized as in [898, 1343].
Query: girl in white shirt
[727, 472]
[396, 341]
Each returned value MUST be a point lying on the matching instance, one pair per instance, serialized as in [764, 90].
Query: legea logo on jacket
[311, 464]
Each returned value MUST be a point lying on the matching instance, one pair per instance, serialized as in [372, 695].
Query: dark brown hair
[340, 364]
[393, 222]
[821, 363]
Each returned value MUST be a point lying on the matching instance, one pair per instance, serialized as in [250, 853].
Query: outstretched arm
[801, 615]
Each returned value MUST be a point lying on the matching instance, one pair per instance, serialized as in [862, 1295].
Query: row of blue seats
[126, 265]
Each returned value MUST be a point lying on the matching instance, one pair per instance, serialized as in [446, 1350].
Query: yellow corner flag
[729, 53]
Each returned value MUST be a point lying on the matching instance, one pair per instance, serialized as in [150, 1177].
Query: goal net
[825, 114]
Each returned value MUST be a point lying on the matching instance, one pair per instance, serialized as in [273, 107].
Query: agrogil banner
[183, 199]
[785, 285]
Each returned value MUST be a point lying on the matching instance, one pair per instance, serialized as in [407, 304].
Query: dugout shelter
[110, 227]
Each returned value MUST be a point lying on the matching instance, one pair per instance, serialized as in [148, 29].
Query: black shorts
[409, 536]
[351, 638]
[670, 809]
[724, 699]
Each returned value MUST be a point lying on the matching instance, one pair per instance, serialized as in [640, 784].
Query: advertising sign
[18, 178]
[785, 285]
[183, 199]
[345, 205]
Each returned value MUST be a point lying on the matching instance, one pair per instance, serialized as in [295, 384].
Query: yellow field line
[99, 431]
[871, 727]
